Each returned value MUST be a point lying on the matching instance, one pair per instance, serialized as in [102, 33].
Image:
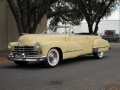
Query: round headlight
[37, 45]
[9, 46]
[19, 42]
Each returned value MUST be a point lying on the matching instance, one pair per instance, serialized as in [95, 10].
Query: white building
[103, 25]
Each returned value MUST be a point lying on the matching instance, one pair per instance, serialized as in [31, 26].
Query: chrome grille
[28, 50]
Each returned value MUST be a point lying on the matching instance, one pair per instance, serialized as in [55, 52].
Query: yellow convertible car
[55, 44]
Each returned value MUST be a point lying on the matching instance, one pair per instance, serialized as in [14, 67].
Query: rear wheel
[21, 63]
[98, 55]
[53, 58]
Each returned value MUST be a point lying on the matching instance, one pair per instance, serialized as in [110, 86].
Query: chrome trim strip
[72, 50]
[18, 58]
[102, 47]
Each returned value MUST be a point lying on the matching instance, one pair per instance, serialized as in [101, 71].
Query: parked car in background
[110, 36]
[56, 44]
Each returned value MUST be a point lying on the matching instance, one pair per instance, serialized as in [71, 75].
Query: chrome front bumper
[26, 58]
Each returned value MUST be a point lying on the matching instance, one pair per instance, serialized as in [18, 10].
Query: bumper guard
[25, 58]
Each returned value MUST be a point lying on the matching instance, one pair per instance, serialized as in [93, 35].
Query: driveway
[81, 73]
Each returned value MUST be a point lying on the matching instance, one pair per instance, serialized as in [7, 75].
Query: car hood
[29, 39]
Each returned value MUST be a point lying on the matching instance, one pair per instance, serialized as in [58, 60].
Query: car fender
[100, 45]
[69, 49]
[13, 44]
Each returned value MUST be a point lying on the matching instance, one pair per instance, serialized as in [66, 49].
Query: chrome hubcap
[52, 57]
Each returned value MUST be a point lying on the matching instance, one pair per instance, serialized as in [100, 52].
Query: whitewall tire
[53, 58]
[99, 55]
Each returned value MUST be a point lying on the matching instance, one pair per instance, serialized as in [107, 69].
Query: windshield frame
[54, 28]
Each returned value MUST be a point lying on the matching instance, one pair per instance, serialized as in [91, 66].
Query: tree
[66, 12]
[90, 10]
[28, 13]
[95, 10]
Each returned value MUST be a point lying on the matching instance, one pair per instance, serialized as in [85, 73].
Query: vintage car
[56, 44]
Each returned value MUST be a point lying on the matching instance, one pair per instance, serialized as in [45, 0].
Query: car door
[85, 41]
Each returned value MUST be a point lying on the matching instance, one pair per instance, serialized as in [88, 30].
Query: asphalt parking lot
[81, 73]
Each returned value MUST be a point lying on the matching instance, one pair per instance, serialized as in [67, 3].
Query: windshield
[56, 30]
[48, 31]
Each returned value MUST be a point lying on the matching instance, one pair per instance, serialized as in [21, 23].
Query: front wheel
[98, 55]
[21, 63]
[53, 58]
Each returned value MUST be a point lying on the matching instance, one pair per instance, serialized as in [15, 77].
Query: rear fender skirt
[95, 49]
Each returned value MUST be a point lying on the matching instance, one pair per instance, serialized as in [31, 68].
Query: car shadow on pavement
[31, 65]
[40, 65]
[79, 59]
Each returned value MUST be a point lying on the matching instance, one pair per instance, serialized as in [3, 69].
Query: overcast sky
[115, 15]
